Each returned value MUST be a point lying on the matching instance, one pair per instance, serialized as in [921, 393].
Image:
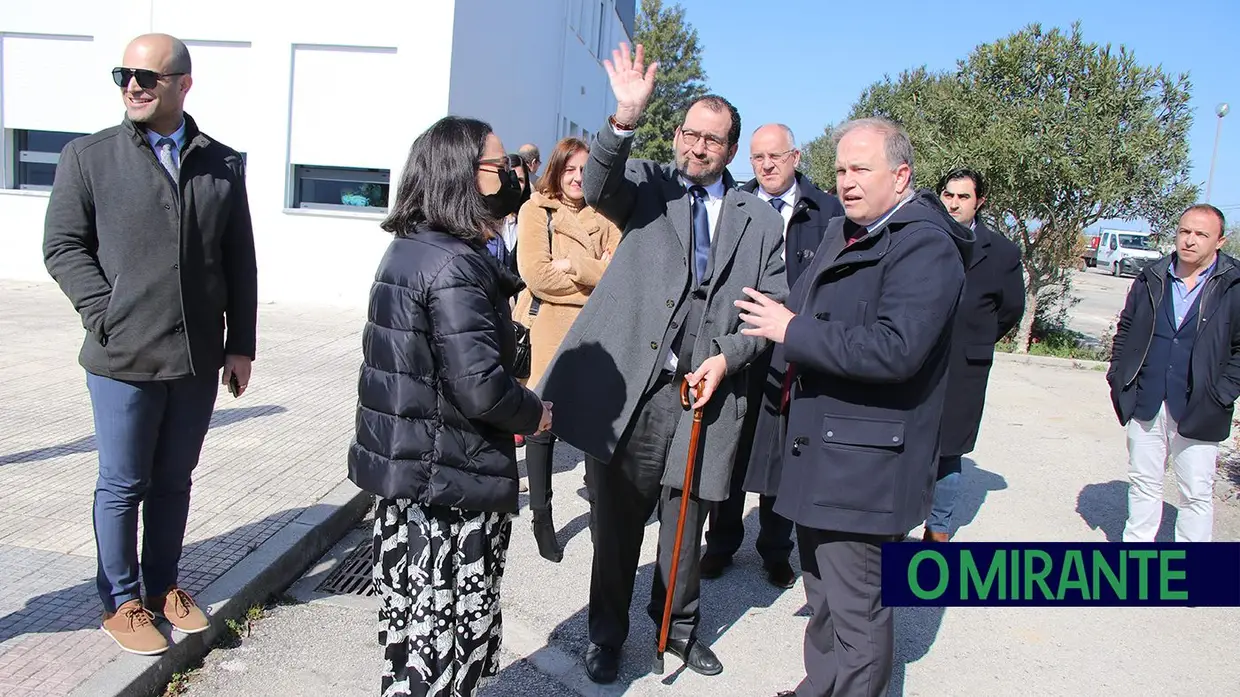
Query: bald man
[806, 211]
[533, 160]
[148, 234]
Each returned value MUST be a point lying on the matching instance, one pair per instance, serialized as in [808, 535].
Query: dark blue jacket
[870, 346]
[994, 300]
[812, 212]
[1214, 369]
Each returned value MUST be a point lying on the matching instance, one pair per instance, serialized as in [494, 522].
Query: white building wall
[307, 82]
[532, 69]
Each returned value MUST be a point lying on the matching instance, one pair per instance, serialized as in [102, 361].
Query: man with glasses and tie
[148, 234]
[806, 210]
[662, 315]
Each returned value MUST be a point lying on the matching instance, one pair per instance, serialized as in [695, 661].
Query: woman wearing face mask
[437, 410]
[503, 247]
[563, 247]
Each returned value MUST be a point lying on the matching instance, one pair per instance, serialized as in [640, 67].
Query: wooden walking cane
[685, 401]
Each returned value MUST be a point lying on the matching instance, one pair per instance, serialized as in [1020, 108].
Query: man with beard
[662, 315]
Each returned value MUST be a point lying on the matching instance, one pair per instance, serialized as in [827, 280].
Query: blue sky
[804, 62]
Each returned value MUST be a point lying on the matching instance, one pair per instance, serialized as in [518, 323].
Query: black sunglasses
[147, 79]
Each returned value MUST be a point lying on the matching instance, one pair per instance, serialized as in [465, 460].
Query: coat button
[830, 434]
[674, 325]
[671, 303]
[167, 207]
[895, 439]
[177, 328]
[654, 345]
[176, 266]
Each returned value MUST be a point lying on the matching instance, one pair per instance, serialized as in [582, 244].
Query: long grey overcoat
[615, 349]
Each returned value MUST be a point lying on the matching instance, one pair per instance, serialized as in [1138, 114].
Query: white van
[1124, 252]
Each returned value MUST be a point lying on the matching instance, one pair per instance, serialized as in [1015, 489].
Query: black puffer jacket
[437, 404]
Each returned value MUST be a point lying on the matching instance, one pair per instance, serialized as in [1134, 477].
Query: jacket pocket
[979, 353]
[860, 463]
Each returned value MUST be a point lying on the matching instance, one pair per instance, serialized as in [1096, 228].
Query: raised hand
[631, 82]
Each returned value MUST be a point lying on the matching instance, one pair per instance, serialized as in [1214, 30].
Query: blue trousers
[149, 436]
[945, 491]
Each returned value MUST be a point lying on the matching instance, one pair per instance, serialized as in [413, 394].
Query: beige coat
[579, 236]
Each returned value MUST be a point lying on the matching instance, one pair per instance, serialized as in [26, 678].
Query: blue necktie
[777, 204]
[701, 232]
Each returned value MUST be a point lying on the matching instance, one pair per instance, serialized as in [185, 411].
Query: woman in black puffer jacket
[437, 410]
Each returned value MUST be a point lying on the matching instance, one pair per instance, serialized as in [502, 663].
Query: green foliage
[1067, 132]
[667, 38]
[818, 159]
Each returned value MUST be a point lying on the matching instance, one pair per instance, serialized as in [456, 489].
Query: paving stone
[268, 456]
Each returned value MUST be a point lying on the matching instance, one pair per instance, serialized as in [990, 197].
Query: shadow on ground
[78, 607]
[1105, 507]
[917, 628]
[86, 444]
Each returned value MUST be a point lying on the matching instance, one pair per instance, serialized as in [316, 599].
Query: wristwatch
[620, 126]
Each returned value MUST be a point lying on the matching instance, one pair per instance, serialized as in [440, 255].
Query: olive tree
[1067, 133]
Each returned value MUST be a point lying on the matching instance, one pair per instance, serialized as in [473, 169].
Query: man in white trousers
[1175, 375]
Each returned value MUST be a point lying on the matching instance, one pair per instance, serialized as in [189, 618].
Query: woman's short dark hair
[439, 187]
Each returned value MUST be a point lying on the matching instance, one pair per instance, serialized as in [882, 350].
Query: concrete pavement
[1049, 467]
[270, 493]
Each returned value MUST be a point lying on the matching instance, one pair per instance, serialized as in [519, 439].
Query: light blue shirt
[178, 137]
[1181, 297]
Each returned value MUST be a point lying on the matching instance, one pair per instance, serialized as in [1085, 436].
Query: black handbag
[521, 364]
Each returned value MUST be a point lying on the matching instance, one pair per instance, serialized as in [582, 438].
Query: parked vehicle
[1091, 249]
[1126, 252]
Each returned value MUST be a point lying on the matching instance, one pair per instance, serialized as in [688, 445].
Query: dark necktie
[778, 204]
[701, 232]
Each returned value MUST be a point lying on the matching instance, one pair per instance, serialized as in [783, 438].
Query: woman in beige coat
[563, 247]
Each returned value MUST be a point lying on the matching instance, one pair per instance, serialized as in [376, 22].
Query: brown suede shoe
[180, 610]
[931, 536]
[132, 629]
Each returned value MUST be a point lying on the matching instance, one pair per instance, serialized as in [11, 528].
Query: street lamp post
[1221, 110]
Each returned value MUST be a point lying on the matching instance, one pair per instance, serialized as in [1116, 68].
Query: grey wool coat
[615, 349]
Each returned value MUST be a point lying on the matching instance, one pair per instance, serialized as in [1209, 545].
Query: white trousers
[1194, 462]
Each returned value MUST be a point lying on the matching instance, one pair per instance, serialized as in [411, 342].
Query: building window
[341, 188]
[37, 153]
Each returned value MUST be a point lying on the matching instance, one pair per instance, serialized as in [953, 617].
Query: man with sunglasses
[148, 234]
[662, 316]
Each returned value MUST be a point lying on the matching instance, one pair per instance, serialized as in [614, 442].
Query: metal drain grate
[354, 574]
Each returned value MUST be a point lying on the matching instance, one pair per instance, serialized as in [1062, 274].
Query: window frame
[23, 154]
[361, 175]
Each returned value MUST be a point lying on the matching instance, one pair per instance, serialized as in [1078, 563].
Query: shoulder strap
[535, 303]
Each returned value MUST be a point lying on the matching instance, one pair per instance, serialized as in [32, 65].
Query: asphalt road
[1050, 466]
[1102, 298]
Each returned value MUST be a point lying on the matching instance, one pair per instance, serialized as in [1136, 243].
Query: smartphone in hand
[234, 387]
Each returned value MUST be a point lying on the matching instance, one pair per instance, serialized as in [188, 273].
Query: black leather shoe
[786, 693]
[780, 574]
[602, 663]
[712, 565]
[699, 658]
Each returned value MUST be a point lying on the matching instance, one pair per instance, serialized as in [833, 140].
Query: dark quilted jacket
[437, 405]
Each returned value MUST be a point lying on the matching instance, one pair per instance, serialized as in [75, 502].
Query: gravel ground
[1046, 469]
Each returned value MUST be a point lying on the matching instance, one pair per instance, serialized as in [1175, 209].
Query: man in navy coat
[994, 300]
[866, 335]
[806, 210]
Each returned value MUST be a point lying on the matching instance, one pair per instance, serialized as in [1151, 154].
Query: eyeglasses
[500, 163]
[759, 158]
[147, 79]
[691, 139]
